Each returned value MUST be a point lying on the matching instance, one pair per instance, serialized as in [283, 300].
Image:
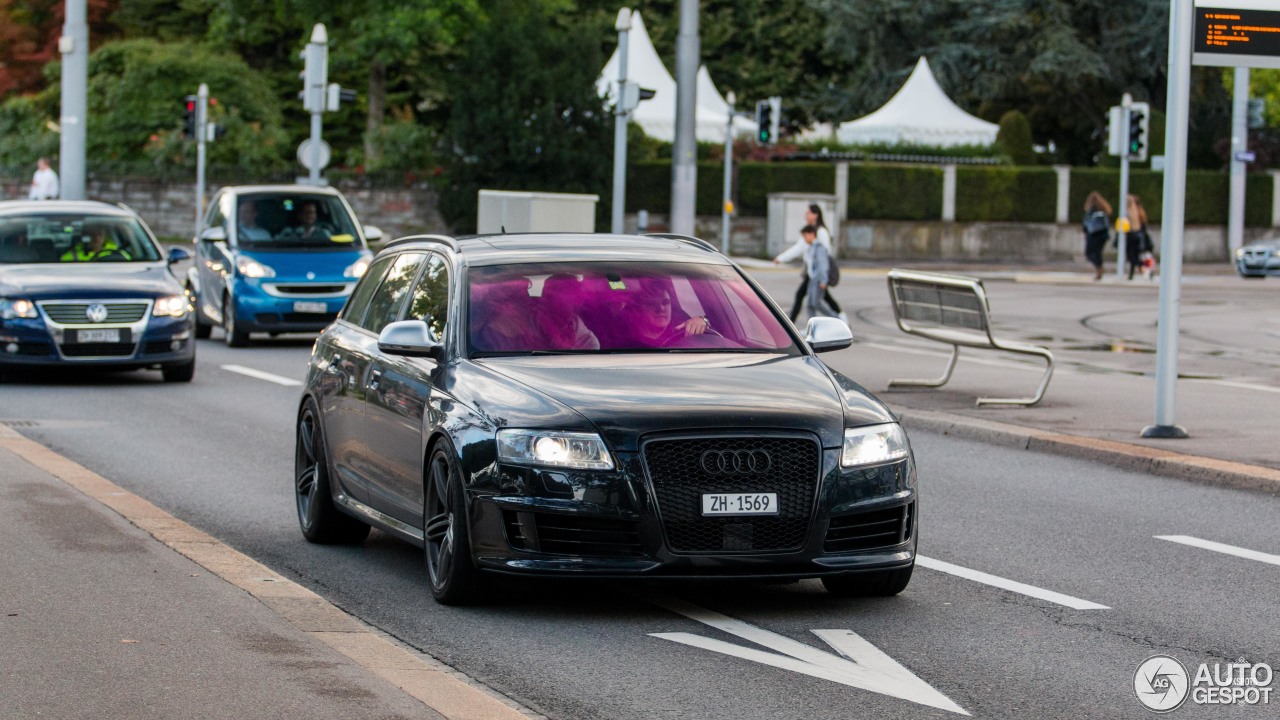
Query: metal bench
[953, 309]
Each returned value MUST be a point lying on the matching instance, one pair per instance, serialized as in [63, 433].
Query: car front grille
[120, 313]
[868, 530]
[565, 534]
[98, 349]
[680, 478]
[310, 289]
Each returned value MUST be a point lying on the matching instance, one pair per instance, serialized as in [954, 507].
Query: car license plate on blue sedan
[303, 306]
[106, 335]
[740, 504]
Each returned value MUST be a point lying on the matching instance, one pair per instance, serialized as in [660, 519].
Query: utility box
[787, 216]
[516, 211]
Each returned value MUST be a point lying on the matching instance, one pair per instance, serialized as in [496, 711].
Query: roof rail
[698, 242]
[441, 239]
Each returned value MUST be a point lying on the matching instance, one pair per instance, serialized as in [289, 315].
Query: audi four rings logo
[96, 312]
[736, 462]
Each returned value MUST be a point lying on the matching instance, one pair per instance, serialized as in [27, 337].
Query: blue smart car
[276, 259]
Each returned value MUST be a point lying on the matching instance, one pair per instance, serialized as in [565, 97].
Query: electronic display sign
[1239, 33]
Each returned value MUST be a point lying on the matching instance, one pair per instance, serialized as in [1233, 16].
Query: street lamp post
[621, 114]
[727, 207]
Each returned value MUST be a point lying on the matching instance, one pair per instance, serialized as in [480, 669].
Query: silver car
[1259, 259]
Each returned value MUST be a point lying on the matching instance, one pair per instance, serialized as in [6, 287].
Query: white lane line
[1007, 584]
[1240, 385]
[261, 375]
[1224, 549]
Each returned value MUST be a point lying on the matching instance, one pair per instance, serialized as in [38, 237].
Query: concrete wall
[170, 208]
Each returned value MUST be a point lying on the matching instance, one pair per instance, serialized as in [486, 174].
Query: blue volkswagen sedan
[276, 259]
[85, 284]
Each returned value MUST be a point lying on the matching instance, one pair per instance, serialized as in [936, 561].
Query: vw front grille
[77, 313]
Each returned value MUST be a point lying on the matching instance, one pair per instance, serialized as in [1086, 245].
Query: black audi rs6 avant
[597, 406]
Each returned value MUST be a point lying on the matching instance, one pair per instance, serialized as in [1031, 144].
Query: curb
[440, 688]
[1127, 456]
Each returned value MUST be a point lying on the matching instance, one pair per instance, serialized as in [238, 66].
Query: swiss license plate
[740, 504]
[98, 336]
[303, 306]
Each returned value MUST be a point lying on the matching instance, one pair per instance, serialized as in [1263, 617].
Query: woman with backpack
[1097, 230]
[813, 216]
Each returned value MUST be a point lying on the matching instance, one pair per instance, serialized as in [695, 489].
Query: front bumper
[280, 305]
[147, 342]
[1256, 263]
[609, 524]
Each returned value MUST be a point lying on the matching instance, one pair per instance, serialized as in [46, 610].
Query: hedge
[1006, 194]
[894, 192]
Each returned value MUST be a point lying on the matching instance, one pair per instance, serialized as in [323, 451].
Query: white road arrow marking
[242, 370]
[863, 665]
[1219, 547]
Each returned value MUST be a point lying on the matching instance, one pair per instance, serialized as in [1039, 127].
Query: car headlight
[251, 268]
[171, 306]
[10, 309]
[356, 269]
[1239, 252]
[874, 444]
[584, 451]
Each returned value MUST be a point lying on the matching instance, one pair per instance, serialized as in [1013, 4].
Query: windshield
[74, 238]
[292, 221]
[592, 307]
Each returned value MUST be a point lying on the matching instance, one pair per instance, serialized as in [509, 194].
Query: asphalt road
[218, 454]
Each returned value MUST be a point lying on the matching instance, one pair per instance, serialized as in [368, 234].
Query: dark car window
[387, 301]
[619, 307]
[430, 299]
[354, 311]
[73, 238]
[294, 221]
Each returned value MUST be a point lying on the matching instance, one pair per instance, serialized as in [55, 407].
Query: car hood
[88, 280]
[628, 396]
[322, 264]
[1272, 245]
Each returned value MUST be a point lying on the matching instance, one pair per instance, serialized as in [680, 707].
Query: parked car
[276, 259]
[1259, 259]
[86, 284]
[597, 405]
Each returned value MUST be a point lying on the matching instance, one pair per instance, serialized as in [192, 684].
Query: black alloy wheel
[233, 336]
[880, 583]
[453, 576]
[321, 521]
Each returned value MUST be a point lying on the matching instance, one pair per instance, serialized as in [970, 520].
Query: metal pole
[1239, 144]
[621, 116]
[74, 46]
[1122, 210]
[202, 125]
[1175, 192]
[684, 160]
[319, 38]
[726, 210]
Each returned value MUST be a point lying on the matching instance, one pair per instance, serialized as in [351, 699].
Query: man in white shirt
[44, 184]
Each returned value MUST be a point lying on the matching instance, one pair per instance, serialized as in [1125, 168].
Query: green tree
[525, 114]
[1014, 138]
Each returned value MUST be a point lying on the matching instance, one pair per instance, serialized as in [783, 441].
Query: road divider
[1222, 548]
[1007, 584]
[260, 375]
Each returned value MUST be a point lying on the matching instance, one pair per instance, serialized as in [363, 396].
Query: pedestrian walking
[1097, 230]
[822, 236]
[1138, 247]
[817, 266]
[44, 184]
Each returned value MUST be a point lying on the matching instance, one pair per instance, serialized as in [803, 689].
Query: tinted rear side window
[430, 300]
[359, 302]
[385, 306]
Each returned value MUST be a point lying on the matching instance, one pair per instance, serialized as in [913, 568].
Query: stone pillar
[842, 192]
[1064, 193]
[1275, 197]
[949, 193]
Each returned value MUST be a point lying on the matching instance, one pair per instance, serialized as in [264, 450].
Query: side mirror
[178, 254]
[825, 334]
[372, 233]
[213, 234]
[410, 338]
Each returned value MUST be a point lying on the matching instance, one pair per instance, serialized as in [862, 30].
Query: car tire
[452, 574]
[179, 372]
[879, 583]
[232, 334]
[204, 328]
[319, 518]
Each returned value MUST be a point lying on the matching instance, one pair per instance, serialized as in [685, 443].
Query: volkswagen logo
[97, 312]
[736, 462]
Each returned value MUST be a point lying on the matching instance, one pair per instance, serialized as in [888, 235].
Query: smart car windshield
[74, 238]
[591, 307]
[293, 221]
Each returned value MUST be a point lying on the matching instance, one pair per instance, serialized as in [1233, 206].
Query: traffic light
[1139, 124]
[189, 117]
[764, 121]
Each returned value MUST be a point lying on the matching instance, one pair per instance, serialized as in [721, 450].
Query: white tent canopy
[657, 115]
[919, 114]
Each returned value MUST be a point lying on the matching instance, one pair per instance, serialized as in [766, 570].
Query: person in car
[309, 226]
[98, 247]
[247, 227]
[652, 318]
[556, 316]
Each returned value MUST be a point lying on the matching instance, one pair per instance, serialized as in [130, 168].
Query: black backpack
[1095, 222]
[833, 273]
